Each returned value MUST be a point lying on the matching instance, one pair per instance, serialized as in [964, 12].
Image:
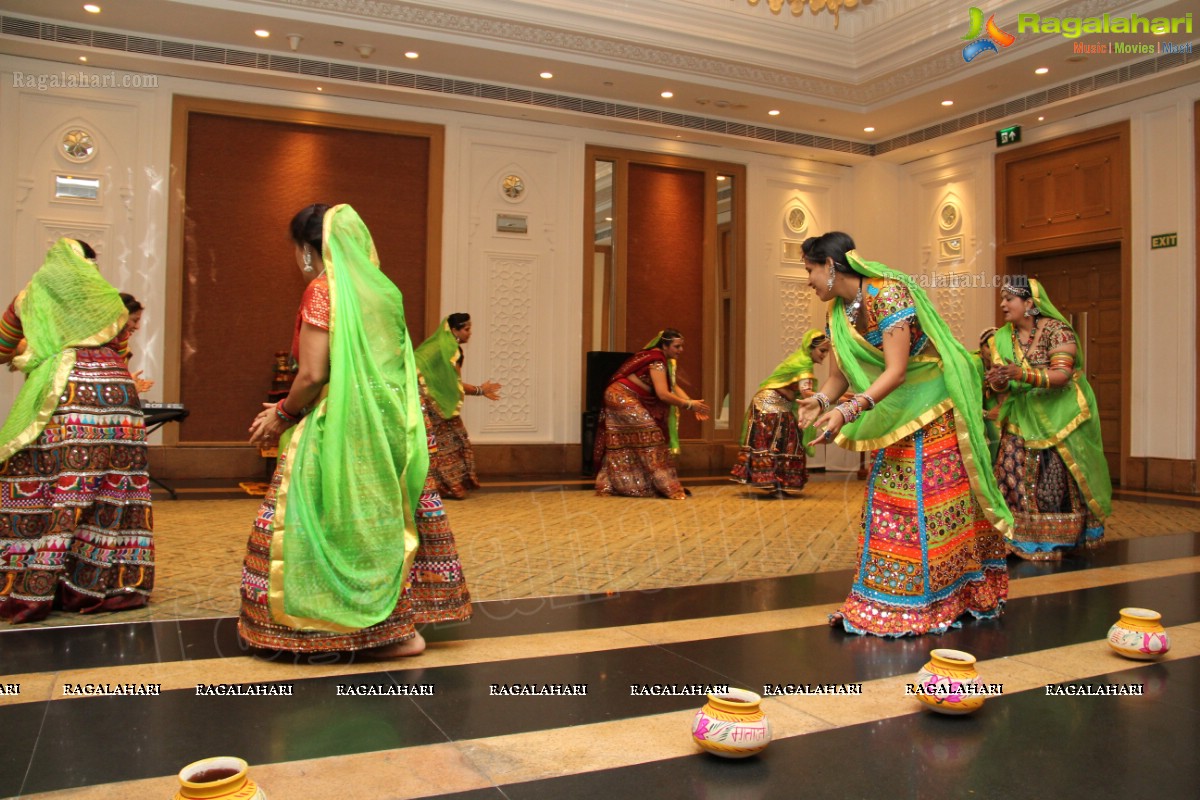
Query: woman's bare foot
[409, 647]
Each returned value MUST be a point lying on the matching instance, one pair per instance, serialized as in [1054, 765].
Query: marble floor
[462, 741]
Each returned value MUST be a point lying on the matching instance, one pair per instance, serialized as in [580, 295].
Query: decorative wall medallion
[950, 248]
[78, 145]
[796, 220]
[513, 188]
[949, 216]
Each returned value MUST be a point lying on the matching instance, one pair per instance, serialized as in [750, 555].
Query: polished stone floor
[461, 741]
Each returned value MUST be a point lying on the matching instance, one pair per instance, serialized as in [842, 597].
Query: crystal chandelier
[797, 6]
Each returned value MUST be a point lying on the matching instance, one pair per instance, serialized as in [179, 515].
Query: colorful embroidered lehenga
[76, 528]
[439, 360]
[929, 549]
[1051, 466]
[636, 433]
[351, 546]
[773, 454]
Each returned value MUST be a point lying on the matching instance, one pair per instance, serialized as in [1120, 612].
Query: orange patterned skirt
[635, 460]
[927, 554]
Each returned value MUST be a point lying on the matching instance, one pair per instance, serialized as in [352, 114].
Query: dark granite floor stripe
[315, 722]
[1017, 746]
[47, 649]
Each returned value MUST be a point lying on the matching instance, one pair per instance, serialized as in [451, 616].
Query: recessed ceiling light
[947, 102]
[320, 88]
[667, 95]
[92, 8]
[547, 75]
[720, 177]
[412, 54]
[774, 112]
[1041, 70]
[262, 34]
[868, 130]
[83, 58]
[1041, 119]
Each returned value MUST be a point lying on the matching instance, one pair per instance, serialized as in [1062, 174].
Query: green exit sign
[1008, 136]
[1164, 240]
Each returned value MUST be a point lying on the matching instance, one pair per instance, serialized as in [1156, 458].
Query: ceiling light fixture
[1041, 70]
[797, 7]
[868, 130]
[365, 50]
[294, 40]
[774, 112]
[412, 54]
[92, 8]
[667, 95]
[83, 58]
[262, 34]
[947, 102]
[547, 75]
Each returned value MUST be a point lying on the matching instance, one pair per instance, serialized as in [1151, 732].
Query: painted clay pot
[220, 778]
[732, 725]
[1139, 634]
[949, 683]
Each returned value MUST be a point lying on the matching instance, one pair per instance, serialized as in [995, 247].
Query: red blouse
[314, 309]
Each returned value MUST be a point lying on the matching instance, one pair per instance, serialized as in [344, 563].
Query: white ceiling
[888, 64]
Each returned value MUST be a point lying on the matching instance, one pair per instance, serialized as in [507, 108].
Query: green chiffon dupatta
[345, 532]
[1064, 418]
[673, 411]
[66, 305]
[435, 360]
[933, 385]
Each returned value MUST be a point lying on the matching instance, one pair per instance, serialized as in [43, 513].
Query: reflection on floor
[462, 741]
[519, 540]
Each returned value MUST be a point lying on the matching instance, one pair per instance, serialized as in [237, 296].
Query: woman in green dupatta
[1051, 466]
[351, 546]
[930, 548]
[774, 452]
[439, 361]
[75, 520]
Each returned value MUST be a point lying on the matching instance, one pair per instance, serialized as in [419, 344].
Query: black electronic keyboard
[159, 414]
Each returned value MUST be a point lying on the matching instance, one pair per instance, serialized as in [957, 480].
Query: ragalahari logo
[993, 36]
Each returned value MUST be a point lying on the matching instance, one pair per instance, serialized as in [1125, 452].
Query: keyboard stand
[156, 417]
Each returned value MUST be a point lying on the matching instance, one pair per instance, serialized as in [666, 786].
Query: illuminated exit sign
[1008, 136]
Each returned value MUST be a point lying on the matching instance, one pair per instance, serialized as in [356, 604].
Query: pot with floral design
[1139, 633]
[949, 683]
[732, 724]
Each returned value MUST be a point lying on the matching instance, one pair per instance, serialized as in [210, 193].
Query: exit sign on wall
[1164, 240]
[1008, 136]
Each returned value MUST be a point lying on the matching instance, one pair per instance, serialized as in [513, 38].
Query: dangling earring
[829, 286]
[308, 267]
